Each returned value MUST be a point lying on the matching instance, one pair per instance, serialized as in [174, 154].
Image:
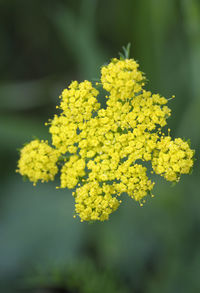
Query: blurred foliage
[45, 45]
[80, 276]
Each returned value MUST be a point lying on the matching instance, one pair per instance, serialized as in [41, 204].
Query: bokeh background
[44, 45]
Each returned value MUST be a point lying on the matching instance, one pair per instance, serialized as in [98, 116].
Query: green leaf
[126, 52]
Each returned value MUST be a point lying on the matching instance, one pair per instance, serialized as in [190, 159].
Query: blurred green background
[44, 45]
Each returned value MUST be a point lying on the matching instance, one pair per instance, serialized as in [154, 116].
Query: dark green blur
[44, 45]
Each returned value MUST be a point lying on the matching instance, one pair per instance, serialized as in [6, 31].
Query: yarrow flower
[102, 151]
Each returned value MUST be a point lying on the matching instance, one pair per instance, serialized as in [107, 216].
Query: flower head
[104, 149]
[38, 161]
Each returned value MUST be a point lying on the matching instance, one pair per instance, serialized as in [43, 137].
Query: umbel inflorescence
[101, 152]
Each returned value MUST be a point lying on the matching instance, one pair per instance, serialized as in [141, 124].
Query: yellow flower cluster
[122, 79]
[78, 104]
[71, 171]
[172, 158]
[103, 150]
[95, 201]
[38, 161]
